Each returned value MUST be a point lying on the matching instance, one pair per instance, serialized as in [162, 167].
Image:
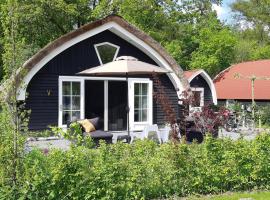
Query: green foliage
[253, 36]
[74, 134]
[11, 147]
[175, 25]
[146, 170]
[45, 133]
[255, 12]
[235, 106]
[12, 44]
[264, 112]
[216, 48]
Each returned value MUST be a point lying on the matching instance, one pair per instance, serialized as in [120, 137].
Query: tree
[13, 118]
[256, 13]
[175, 25]
[253, 34]
[216, 48]
[1, 47]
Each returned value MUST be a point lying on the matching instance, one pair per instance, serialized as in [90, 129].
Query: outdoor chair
[146, 133]
[165, 133]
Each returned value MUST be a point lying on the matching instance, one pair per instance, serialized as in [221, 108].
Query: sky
[224, 11]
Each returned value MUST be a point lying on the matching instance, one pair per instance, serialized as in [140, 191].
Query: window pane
[106, 53]
[66, 103]
[144, 88]
[76, 88]
[70, 101]
[144, 102]
[136, 115]
[136, 102]
[75, 115]
[140, 102]
[76, 103]
[144, 115]
[136, 89]
[197, 99]
[66, 117]
[66, 88]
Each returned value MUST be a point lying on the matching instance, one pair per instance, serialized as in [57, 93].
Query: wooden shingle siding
[79, 57]
[158, 114]
[199, 81]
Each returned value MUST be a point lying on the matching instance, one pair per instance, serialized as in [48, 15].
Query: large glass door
[141, 103]
[117, 103]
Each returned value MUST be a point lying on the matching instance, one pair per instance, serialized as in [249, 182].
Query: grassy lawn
[235, 196]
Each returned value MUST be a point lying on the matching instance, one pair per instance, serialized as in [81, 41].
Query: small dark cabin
[56, 94]
[202, 87]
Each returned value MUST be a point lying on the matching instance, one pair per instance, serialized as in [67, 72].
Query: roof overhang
[116, 25]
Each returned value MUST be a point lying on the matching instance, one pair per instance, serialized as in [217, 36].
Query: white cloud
[220, 10]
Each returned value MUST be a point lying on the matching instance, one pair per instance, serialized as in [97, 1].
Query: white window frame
[60, 98]
[82, 79]
[136, 126]
[197, 108]
[133, 125]
[104, 43]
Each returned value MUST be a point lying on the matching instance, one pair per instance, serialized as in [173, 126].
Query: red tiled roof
[228, 86]
[189, 73]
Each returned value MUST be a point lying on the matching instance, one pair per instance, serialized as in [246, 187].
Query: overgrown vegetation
[144, 170]
[189, 29]
[264, 114]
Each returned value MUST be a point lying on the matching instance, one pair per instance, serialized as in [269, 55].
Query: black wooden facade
[199, 81]
[42, 90]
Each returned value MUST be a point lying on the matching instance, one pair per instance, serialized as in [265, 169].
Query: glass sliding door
[117, 102]
[70, 101]
[94, 101]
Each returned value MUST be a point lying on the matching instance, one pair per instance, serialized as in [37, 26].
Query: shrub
[265, 115]
[75, 134]
[145, 170]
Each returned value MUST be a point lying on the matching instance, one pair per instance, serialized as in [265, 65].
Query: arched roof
[116, 25]
[234, 82]
[190, 75]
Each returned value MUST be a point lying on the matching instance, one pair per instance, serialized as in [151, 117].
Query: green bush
[265, 115]
[146, 170]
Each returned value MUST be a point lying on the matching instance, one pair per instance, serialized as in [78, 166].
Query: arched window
[106, 52]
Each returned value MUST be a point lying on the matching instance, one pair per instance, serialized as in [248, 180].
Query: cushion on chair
[87, 125]
[95, 122]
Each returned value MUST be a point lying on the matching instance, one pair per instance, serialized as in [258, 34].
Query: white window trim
[136, 126]
[104, 43]
[133, 125]
[195, 108]
[82, 80]
[60, 106]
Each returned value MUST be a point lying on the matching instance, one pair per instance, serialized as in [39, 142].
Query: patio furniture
[145, 133]
[96, 135]
[165, 133]
[125, 66]
[124, 138]
[100, 135]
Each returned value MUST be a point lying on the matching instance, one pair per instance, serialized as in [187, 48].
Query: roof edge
[30, 63]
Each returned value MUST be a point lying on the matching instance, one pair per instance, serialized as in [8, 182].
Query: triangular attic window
[106, 52]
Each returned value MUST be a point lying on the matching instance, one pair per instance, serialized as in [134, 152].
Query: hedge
[145, 170]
